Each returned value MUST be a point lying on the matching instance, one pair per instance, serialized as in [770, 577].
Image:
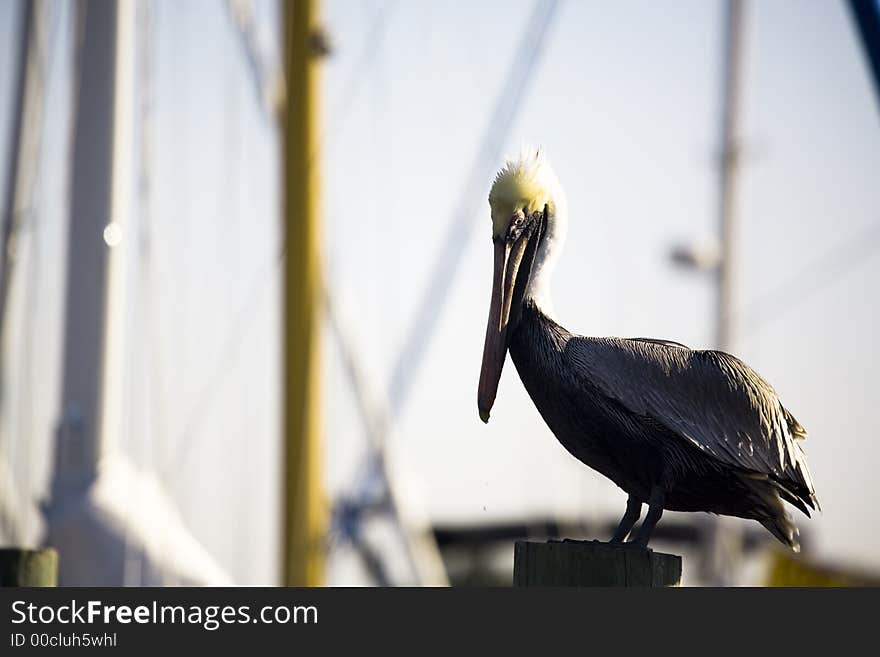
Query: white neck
[545, 261]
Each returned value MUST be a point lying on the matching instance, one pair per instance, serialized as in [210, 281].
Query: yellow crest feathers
[526, 181]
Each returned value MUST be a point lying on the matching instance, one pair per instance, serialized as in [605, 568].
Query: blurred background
[175, 204]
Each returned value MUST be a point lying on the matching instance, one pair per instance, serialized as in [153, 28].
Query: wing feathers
[710, 398]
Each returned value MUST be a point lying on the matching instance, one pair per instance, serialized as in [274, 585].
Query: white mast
[79, 439]
[725, 535]
[111, 522]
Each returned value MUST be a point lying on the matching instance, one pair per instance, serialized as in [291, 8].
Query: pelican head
[528, 226]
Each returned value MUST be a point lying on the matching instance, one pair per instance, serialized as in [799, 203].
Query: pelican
[675, 428]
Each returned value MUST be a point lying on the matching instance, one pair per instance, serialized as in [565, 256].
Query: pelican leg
[633, 510]
[655, 510]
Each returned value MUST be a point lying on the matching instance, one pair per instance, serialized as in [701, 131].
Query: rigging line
[265, 82]
[25, 146]
[501, 120]
[372, 413]
[350, 534]
[240, 326]
[26, 178]
[144, 315]
[25, 161]
[372, 46]
[461, 228]
[423, 558]
[8, 224]
[146, 263]
[814, 276]
[240, 323]
[342, 109]
[9, 220]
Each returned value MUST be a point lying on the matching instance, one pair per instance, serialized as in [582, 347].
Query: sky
[625, 100]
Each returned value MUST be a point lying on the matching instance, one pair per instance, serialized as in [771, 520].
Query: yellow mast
[305, 509]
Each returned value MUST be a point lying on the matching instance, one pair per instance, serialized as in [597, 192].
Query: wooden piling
[591, 563]
[28, 567]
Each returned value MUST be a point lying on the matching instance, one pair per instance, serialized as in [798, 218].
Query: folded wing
[709, 398]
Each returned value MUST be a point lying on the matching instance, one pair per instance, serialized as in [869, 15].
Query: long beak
[507, 261]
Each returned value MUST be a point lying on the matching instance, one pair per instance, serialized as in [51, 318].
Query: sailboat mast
[10, 219]
[725, 539]
[728, 172]
[99, 197]
[305, 510]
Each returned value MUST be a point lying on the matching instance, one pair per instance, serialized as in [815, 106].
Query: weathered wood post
[591, 563]
[28, 567]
